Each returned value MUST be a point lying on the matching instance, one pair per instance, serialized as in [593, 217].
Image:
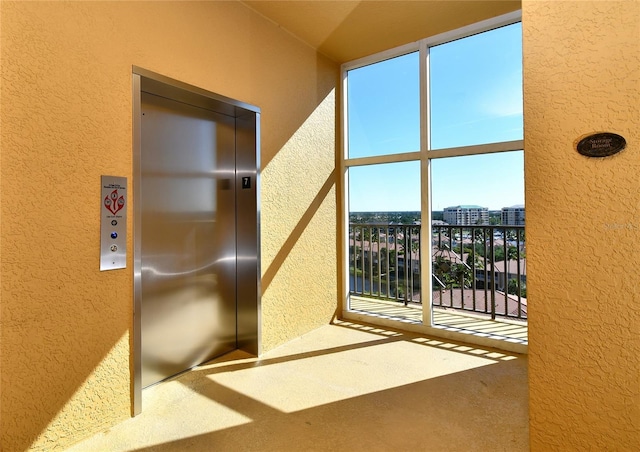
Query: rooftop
[465, 206]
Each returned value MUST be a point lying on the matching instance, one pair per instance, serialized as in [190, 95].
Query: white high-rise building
[513, 216]
[466, 215]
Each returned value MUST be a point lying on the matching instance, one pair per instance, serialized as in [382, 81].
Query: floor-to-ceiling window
[383, 146]
[434, 179]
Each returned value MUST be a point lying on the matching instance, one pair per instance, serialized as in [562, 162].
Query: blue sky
[476, 98]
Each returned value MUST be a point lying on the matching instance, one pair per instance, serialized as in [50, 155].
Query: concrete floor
[513, 331]
[342, 387]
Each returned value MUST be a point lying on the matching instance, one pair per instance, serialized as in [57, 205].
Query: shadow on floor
[342, 387]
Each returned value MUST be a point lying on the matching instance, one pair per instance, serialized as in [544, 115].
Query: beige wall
[581, 75]
[66, 120]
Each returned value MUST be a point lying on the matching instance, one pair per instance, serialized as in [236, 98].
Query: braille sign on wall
[113, 223]
[601, 144]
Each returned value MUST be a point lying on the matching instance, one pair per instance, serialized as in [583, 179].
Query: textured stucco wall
[299, 257]
[581, 75]
[66, 119]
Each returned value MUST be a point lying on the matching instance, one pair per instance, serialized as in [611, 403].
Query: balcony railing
[481, 269]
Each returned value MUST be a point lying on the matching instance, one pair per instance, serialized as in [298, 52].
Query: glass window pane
[476, 89]
[384, 240]
[384, 107]
[493, 181]
[390, 187]
[478, 245]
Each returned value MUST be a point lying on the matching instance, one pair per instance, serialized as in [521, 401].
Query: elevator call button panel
[113, 223]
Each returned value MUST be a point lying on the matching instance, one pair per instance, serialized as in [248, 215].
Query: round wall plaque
[600, 144]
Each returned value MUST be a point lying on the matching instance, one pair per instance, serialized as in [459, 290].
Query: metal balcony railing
[481, 269]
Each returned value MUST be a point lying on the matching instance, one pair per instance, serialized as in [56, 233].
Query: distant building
[513, 216]
[466, 215]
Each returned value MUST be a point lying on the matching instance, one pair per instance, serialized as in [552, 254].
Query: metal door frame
[248, 294]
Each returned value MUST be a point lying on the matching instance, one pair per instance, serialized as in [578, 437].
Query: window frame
[425, 155]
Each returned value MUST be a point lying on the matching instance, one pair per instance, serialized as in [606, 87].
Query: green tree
[452, 274]
[370, 234]
[471, 259]
[512, 288]
[498, 253]
[392, 259]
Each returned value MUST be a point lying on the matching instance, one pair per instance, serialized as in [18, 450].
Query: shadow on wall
[297, 231]
[280, 122]
[66, 326]
[69, 350]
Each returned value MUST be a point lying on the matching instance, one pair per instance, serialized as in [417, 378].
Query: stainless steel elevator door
[188, 237]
